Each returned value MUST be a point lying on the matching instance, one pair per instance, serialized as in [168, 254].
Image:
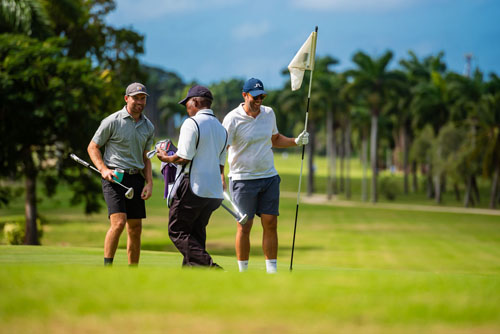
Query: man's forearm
[175, 159]
[148, 171]
[280, 141]
[95, 155]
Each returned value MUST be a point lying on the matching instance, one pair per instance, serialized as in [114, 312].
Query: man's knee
[269, 222]
[118, 221]
[134, 227]
[245, 228]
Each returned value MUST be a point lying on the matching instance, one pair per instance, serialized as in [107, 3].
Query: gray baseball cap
[136, 88]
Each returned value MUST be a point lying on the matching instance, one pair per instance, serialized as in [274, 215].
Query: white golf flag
[303, 60]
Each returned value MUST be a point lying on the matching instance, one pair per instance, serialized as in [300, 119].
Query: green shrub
[389, 187]
[14, 234]
[14, 231]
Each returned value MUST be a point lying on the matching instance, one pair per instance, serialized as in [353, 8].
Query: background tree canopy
[62, 70]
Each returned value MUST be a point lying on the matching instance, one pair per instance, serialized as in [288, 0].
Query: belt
[131, 171]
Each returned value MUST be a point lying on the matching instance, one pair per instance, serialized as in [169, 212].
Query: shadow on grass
[302, 248]
[221, 249]
[158, 247]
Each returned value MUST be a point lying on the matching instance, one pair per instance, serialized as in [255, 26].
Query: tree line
[434, 122]
[62, 69]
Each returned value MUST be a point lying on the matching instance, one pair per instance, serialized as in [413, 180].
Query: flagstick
[302, 161]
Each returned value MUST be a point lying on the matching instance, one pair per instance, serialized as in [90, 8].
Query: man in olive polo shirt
[126, 135]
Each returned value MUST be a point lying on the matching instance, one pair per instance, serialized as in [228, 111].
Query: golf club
[241, 218]
[130, 191]
[162, 144]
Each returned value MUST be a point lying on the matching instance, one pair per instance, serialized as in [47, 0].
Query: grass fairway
[61, 290]
[357, 269]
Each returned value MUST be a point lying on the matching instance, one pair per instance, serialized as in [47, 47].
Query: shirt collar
[205, 111]
[124, 113]
[242, 112]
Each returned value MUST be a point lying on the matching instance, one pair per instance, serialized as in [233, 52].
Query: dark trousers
[188, 219]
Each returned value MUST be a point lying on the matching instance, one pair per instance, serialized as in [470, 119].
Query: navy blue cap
[197, 91]
[254, 86]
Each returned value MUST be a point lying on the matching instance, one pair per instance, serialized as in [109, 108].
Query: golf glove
[302, 139]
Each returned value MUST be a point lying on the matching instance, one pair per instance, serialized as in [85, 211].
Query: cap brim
[184, 101]
[137, 93]
[258, 92]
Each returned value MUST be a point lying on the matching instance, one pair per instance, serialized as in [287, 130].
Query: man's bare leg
[270, 241]
[117, 224]
[134, 229]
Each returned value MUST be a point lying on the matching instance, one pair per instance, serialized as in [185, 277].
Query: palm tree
[421, 152]
[489, 136]
[417, 72]
[451, 152]
[328, 85]
[398, 108]
[430, 106]
[26, 17]
[360, 116]
[465, 96]
[372, 80]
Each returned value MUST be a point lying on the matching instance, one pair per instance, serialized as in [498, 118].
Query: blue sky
[213, 40]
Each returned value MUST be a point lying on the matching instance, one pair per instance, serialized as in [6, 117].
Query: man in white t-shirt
[202, 153]
[254, 182]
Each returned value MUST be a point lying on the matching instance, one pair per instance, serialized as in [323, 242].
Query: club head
[130, 193]
[151, 154]
[243, 219]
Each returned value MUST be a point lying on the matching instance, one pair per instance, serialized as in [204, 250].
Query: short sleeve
[223, 156]
[187, 139]
[275, 126]
[104, 132]
[228, 124]
[150, 140]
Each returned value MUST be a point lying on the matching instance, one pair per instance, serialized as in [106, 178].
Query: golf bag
[168, 170]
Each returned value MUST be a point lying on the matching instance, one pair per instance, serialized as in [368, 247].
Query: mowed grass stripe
[311, 300]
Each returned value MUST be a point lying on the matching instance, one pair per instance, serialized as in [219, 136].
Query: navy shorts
[256, 197]
[114, 195]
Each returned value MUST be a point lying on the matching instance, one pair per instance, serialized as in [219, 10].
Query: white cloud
[251, 30]
[352, 5]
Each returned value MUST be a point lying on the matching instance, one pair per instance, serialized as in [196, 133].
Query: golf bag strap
[197, 142]
[181, 174]
[225, 143]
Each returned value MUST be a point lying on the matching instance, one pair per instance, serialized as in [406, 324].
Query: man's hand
[108, 174]
[302, 139]
[162, 155]
[96, 157]
[147, 191]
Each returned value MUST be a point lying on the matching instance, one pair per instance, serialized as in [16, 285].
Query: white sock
[243, 265]
[271, 266]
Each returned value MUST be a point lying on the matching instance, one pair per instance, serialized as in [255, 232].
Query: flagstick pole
[302, 160]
